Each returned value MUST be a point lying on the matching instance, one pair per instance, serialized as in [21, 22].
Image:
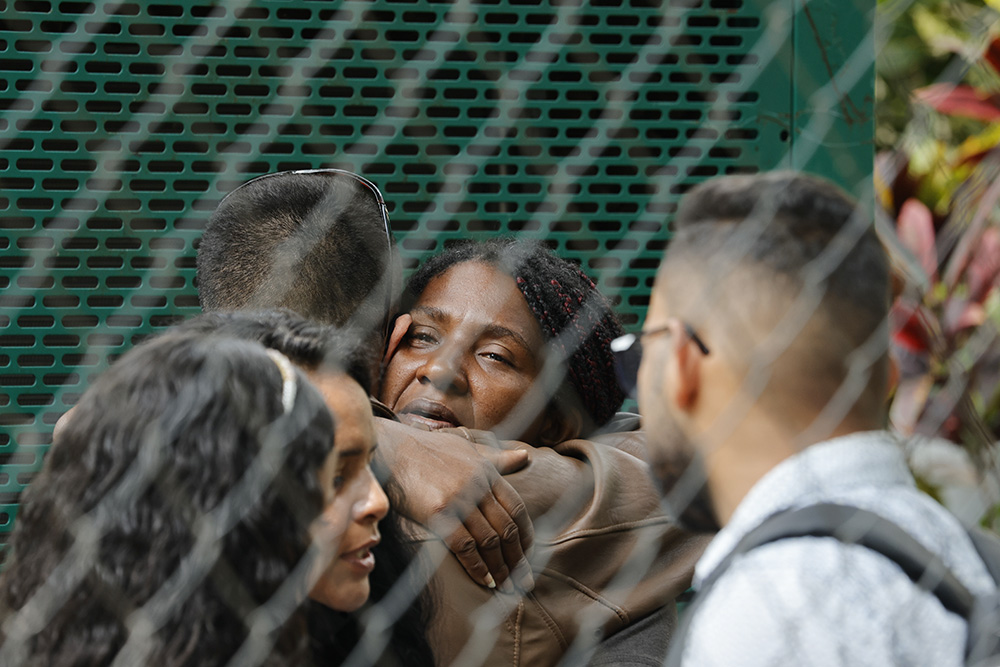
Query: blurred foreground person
[172, 521]
[766, 346]
[340, 368]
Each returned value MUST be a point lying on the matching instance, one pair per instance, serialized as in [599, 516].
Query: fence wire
[124, 124]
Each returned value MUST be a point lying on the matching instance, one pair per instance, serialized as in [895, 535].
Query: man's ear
[399, 329]
[560, 423]
[684, 367]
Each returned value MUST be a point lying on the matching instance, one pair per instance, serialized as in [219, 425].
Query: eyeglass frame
[379, 199]
[627, 353]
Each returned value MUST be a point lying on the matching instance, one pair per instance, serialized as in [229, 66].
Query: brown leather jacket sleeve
[644, 558]
[605, 555]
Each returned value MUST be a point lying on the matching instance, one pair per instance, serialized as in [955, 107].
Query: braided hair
[573, 315]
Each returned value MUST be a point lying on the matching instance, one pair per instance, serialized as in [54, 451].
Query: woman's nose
[374, 504]
[444, 371]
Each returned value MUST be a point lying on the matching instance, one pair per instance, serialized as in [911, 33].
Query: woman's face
[354, 501]
[470, 354]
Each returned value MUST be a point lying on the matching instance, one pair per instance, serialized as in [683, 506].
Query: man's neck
[753, 450]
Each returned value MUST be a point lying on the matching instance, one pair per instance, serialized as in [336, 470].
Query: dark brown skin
[471, 352]
[455, 487]
[464, 357]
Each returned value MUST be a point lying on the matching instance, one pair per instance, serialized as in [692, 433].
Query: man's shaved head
[314, 242]
[782, 266]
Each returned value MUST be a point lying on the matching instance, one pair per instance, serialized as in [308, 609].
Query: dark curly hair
[574, 316]
[335, 634]
[171, 515]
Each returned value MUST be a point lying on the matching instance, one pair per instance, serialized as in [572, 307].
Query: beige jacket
[584, 532]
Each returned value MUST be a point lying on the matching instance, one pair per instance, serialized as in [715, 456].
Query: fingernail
[489, 581]
[524, 577]
[507, 587]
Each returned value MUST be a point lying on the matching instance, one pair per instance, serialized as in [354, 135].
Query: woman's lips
[361, 559]
[429, 413]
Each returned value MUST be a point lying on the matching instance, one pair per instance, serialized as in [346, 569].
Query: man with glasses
[766, 348]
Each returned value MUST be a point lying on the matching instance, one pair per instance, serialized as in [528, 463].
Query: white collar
[821, 472]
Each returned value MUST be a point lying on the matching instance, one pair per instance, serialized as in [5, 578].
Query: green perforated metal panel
[581, 122]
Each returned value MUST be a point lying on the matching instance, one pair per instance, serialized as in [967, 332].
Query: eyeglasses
[370, 187]
[627, 351]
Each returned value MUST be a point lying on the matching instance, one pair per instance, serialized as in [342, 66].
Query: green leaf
[936, 32]
[980, 144]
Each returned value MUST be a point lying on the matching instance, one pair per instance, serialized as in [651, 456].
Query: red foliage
[909, 331]
[960, 100]
[984, 268]
[915, 227]
[992, 53]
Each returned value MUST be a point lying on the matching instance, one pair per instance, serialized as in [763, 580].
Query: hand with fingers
[454, 486]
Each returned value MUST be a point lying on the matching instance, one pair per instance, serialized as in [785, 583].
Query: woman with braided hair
[504, 336]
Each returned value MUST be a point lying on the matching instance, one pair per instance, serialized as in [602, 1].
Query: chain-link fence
[580, 124]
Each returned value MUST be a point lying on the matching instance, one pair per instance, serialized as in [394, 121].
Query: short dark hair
[772, 237]
[314, 242]
[571, 311]
[184, 437]
[308, 344]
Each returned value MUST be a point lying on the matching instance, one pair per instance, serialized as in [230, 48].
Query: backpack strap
[984, 625]
[988, 546]
[850, 525]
